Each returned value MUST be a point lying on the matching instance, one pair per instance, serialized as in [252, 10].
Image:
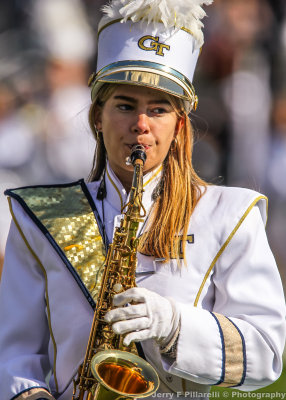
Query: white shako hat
[159, 37]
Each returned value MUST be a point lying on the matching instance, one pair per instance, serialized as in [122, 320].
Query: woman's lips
[146, 146]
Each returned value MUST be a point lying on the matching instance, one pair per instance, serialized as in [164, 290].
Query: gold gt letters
[154, 44]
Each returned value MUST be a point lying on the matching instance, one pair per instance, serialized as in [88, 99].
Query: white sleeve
[24, 331]
[240, 342]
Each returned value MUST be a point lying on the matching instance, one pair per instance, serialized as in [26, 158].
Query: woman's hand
[147, 316]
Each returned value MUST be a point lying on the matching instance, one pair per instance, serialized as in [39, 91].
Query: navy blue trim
[223, 351]
[244, 353]
[140, 350]
[30, 388]
[49, 237]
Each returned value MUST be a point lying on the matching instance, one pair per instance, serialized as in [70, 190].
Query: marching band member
[208, 308]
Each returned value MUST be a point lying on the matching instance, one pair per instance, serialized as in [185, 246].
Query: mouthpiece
[138, 153]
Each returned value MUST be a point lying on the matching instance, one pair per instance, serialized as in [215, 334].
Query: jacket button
[169, 378]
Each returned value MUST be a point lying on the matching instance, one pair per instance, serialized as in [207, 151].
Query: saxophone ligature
[110, 370]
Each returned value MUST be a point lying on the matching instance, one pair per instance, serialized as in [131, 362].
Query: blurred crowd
[48, 50]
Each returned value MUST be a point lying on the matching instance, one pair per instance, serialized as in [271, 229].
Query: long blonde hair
[179, 190]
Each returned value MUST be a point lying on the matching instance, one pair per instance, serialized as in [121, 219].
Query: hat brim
[167, 79]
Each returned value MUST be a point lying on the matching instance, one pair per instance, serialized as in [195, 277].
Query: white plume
[172, 13]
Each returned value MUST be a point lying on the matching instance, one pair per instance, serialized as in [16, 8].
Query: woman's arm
[24, 332]
[239, 343]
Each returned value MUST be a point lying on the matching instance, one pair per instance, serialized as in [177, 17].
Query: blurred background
[48, 50]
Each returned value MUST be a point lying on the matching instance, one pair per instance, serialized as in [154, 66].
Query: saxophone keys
[117, 287]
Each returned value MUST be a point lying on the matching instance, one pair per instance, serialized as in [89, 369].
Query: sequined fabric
[67, 215]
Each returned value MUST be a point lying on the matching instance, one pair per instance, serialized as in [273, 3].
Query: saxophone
[110, 370]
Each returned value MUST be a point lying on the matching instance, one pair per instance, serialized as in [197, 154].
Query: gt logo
[190, 240]
[154, 45]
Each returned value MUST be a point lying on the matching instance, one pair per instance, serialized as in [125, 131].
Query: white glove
[152, 317]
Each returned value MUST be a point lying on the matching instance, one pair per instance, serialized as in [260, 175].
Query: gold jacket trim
[35, 394]
[65, 212]
[233, 353]
[225, 245]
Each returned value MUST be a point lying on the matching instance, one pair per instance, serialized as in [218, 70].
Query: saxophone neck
[137, 183]
[134, 205]
[138, 158]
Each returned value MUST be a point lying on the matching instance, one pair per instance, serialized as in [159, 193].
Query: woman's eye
[159, 110]
[124, 107]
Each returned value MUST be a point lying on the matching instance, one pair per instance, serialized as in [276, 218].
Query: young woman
[208, 308]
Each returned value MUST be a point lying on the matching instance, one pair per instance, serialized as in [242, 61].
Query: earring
[174, 144]
[97, 132]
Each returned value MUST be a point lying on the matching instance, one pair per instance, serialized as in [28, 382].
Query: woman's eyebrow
[133, 100]
[125, 98]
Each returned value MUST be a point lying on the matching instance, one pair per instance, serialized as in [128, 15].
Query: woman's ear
[97, 118]
[179, 125]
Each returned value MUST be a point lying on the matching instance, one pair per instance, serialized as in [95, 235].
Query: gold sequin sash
[65, 213]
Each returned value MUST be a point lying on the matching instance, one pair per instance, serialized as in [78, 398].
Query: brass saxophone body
[111, 370]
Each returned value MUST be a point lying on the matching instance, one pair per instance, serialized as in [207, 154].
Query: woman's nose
[141, 125]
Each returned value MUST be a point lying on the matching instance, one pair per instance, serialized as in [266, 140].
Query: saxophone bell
[122, 375]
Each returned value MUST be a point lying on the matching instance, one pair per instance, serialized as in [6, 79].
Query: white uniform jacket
[229, 293]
